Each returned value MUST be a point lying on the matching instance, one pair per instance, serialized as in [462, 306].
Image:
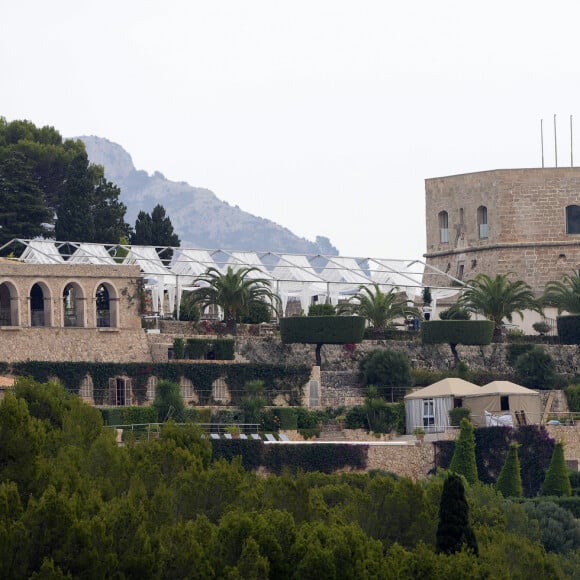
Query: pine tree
[509, 482]
[22, 208]
[557, 480]
[454, 531]
[463, 461]
[75, 218]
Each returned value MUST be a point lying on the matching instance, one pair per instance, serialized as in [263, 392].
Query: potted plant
[419, 433]
[234, 430]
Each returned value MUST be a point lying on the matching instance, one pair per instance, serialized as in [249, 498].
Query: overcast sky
[324, 116]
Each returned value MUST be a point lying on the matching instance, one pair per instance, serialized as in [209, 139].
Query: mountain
[199, 217]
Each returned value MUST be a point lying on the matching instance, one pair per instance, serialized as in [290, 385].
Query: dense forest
[75, 504]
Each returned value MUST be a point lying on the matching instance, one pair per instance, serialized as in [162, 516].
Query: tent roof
[449, 387]
[505, 388]
[91, 254]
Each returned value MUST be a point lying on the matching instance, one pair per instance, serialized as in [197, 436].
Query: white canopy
[158, 278]
[91, 254]
[296, 277]
[344, 276]
[42, 251]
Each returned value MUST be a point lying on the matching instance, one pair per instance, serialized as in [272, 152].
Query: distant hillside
[199, 217]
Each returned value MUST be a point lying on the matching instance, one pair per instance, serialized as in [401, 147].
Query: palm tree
[233, 291]
[564, 294]
[498, 298]
[379, 308]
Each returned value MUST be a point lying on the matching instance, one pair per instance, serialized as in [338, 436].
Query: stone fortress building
[525, 221]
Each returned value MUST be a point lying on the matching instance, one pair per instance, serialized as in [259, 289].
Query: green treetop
[509, 482]
[463, 461]
[557, 480]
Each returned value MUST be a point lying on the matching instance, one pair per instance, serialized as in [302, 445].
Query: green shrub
[129, 415]
[203, 348]
[569, 329]
[388, 370]
[288, 418]
[463, 461]
[458, 413]
[541, 327]
[188, 309]
[178, 348]
[557, 481]
[515, 350]
[455, 312]
[168, 401]
[256, 313]
[536, 369]
[509, 482]
[425, 377]
[572, 393]
[478, 332]
[321, 310]
[356, 418]
[322, 329]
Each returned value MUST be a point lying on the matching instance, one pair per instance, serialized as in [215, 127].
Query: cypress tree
[463, 461]
[557, 480]
[453, 530]
[509, 482]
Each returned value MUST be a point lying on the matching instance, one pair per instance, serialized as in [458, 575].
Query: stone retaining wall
[408, 459]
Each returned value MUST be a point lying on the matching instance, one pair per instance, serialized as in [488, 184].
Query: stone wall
[526, 213]
[570, 435]
[406, 459]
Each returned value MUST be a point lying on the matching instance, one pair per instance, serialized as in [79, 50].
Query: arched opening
[106, 306]
[443, 227]
[482, 222]
[40, 312]
[573, 219]
[73, 305]
[8, 305]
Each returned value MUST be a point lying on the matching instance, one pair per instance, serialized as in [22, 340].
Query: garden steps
[332, 432]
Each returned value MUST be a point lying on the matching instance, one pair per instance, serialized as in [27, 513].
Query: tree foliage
[463, 461]
[498, 298]
[454, 531]
[156, 229]
[536, 369]
[44, 178]
[509, 482]
[234, 291]
[379, 308]
[388, 370]
[74, 504]
[564, 293]
[557, 480]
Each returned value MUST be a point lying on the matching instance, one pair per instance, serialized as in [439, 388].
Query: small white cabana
[429, 407]
[516, 404]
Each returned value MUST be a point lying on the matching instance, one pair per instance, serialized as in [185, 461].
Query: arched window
[482, 221]
[106, 306]
[573, 219]
[8, 305]
[40, 312]
[73, 305]
[443, 227]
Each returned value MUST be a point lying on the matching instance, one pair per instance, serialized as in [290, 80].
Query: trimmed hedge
[326, 458]
[129, 415]
[474, 332]
[569, 329]
[204, 349]
[322, 457]
[322, 329]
